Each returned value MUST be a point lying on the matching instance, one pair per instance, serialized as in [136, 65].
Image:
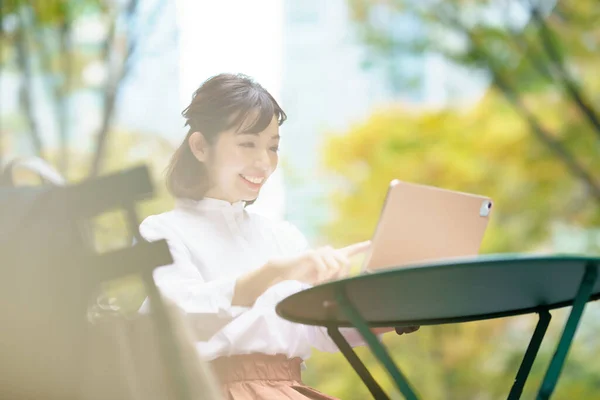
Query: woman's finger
[319, 267]
[356, 248]
[344, 264]
[333, 265]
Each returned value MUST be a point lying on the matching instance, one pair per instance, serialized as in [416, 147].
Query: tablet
[421, 223]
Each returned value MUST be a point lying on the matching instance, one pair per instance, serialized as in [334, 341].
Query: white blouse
[212, 243]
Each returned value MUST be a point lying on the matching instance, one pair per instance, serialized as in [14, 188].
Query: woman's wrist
[381, 331]
[251, 285]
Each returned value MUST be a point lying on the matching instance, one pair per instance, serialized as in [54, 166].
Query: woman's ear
[199, 146]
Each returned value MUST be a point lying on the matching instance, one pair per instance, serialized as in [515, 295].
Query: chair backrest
[123, 361]
[49, 269]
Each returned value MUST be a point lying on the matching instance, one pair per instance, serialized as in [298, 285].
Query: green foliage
[456, 28]
[63, 48]
[477, 360]
[51, 12]
[485, 148]
[529, 51]
[49, 39]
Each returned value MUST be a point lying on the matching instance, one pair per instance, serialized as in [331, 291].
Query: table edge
[440, 321]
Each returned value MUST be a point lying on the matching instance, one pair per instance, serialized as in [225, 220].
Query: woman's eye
[247, 144]
[275, 149]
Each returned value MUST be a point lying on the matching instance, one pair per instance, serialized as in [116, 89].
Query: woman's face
[238, 163]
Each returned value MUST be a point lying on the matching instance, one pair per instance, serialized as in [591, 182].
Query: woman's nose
[262, 159]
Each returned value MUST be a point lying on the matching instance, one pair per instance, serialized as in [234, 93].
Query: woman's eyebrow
[257, 134]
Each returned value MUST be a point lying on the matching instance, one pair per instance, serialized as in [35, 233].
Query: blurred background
[497, 97]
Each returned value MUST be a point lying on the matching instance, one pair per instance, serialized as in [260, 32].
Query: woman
[231, 267]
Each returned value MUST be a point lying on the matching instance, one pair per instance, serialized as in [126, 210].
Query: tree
[485, 149]
[548, 48]
[42, 44]
[541, 64]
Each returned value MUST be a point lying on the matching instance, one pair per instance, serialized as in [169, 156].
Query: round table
[451, 291]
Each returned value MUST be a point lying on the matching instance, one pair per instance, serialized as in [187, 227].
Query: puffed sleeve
[207, 304]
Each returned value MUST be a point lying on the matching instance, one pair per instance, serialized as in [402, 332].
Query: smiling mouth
[255, 180]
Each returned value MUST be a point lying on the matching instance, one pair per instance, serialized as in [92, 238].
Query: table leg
[558, 359]
[376, 347]
[356, 363]
[530, 354]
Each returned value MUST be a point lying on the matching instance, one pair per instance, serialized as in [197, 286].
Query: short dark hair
[220, 103]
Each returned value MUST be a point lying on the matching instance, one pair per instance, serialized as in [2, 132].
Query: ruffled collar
[209, 203]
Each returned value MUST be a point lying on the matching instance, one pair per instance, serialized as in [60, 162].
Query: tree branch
[58, 94]
[527, 52]
[2, 39]
[545, 137]
[149, 24]
[63, 94]
[548, 40]
[113, 85]
[512, 96]
[25, 92]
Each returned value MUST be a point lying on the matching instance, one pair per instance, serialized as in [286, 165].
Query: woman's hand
[319, 265]
[314, 266]
[400, 330]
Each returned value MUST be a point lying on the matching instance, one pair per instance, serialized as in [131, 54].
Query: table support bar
[530, 355]
[558, 359]
[376, 347]
[356, 363]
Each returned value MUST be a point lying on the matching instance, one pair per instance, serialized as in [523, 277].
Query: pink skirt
[259, 376]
